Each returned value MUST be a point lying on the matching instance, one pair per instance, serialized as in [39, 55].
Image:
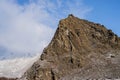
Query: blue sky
[106, 12]
[22, 2]
[103, 11]
[27, 26]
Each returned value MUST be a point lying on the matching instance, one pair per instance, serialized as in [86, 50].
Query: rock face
[79, 50]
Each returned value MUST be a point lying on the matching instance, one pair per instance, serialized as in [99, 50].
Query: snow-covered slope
[16, 67]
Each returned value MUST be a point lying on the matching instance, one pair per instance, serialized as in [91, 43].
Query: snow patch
[16, 67]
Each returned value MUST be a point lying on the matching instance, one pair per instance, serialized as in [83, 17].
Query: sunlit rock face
[79, 50]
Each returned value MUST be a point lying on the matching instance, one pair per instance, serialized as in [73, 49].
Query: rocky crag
[79, 50]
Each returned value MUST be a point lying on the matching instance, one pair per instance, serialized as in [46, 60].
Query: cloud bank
[28, 27]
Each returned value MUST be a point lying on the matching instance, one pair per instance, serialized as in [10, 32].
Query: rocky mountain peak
[70, 15]
[79, 49]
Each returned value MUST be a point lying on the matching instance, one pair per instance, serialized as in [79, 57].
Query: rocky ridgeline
[79, 50]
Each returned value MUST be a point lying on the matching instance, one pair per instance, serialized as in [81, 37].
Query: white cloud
[29, 28]
[21, 30]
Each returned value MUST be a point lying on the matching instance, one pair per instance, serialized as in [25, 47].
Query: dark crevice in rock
[52, 75]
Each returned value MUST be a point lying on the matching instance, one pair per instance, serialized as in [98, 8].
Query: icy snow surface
[16, 67]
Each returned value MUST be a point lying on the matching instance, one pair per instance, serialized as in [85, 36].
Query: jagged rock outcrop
[79, 50]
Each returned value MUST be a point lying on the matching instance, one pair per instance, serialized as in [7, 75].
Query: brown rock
[79, 50]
